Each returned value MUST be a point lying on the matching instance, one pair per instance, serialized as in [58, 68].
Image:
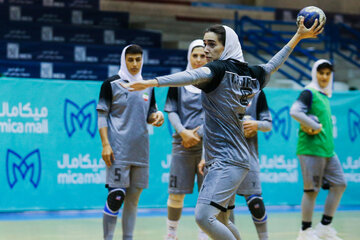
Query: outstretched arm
[197, 76]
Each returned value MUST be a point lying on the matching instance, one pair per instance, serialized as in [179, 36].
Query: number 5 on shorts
[117, 175]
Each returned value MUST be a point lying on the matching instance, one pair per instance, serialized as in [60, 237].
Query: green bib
[321, 144]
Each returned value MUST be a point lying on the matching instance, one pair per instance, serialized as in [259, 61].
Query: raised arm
[278, 59]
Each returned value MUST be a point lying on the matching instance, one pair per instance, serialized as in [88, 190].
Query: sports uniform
[250, 188]
[228, 83]
[316, 153]
[185, 112]
[125, 115]
[227, 87]
[187, 106]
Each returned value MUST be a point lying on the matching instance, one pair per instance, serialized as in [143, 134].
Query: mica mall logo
[83, 117]
[16, 166]
[281, 122]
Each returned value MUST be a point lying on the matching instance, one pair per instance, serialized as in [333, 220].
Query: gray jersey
[127, 120]
[258, 110]
[226, 91]
[225, 101]
[187, 105]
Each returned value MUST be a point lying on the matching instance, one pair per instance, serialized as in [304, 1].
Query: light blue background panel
[50, 149]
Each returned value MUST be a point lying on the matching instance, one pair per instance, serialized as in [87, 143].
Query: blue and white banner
[90, 54]
[78, 71]
[79, 35]
[35, 14]
[50, 149]
[88, 4]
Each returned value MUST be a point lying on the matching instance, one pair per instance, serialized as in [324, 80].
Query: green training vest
[321, 144]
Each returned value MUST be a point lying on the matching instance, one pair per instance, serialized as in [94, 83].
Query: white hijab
[193, 44]
[124, 72]
[232, 46]
[314, 81]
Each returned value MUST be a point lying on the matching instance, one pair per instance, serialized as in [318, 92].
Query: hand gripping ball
[310, 14]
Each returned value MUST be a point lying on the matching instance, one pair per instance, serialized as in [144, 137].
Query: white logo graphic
[112, 70]
[12, 51]
[109, 37]
[166, 165]
[46, 33]
[278, 169]
[352, 169]
[80, 54]
[76, 17]
[46, 71]
[33, 120]
[15, 13]
[81, 170]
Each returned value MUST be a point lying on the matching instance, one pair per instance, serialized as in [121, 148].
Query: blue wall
[50, 149]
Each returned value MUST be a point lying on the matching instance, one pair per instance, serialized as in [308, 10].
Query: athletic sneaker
[308, 234]
[202, 236]
[326, 232]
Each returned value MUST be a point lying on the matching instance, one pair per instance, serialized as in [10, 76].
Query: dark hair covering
[219, 30]
[134, 49]
[325, 65]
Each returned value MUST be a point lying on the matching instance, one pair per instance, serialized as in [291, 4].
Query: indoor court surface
[151, 225]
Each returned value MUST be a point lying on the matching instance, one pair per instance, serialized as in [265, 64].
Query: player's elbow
[293, 112]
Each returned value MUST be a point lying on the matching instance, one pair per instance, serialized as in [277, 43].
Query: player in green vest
[320, 166]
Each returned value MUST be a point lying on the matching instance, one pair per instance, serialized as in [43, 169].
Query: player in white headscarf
[122, 121]
[320, 165]
[227, 84]
[185, 113]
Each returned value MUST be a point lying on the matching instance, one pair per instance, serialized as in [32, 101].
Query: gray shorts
[314, 169]
[220, 184]
[250, 185]
[183, 169]
[123, 176]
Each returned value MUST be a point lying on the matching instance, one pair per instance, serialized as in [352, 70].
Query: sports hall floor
[151, 224]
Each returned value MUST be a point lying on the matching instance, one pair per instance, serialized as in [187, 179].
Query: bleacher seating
[262, 38]
[89, 36]
[174, 18]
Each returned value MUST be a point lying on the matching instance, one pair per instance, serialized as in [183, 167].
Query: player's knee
[257, 208]
[203, 217]
[176, 200]
[114, 201]
[311, 194]
[339, 187]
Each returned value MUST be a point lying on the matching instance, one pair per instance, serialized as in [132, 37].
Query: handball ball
[310, 14]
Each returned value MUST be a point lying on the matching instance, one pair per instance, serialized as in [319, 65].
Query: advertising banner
[88, 4]
[50, 149]
[53, 15]
[90, 54]
[78, 71]
[16, 31]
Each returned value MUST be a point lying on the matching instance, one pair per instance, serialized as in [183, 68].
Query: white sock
[172, 227]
